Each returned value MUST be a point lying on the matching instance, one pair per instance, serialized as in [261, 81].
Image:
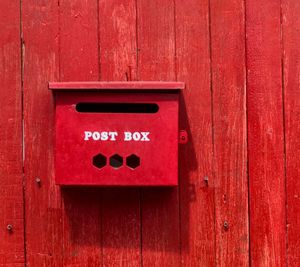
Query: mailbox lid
[146, 85]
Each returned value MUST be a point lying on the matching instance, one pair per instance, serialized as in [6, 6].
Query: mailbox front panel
[116, 138]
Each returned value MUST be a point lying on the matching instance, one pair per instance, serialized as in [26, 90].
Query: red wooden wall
[238, 203]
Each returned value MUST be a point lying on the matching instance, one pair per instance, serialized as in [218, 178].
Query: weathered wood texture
[265, 134]
[11, 188]
[118, 61]
[78, 42]
[291, 57]
[43, 201]
[230, 136]
[196, 158]
[237, 203]
[156, 61]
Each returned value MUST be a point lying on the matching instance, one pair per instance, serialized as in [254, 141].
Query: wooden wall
[238, 202]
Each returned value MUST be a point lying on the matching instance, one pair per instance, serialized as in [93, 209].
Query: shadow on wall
[116, 217]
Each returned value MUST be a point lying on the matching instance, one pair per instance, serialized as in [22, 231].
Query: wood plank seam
[59, 43]
[291, 68]
[99, 79]
[137, 53]
[22, 48]
[212, 128]
[176, 79]
[101, 209]
[137, 73]
[98, 38]
[284, 130]
[59, 79]
[247, 132]
[141, 228]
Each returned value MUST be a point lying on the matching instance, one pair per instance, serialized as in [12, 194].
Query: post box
[116, 133]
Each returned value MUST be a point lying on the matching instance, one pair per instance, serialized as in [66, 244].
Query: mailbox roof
[152, 85]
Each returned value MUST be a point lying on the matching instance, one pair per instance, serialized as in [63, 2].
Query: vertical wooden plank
[121, 227]
[230, 132]
[117, 32]
[156, 61]
[78, 40]
[291, 45]
[78, 21]
[156, 40]
[195, 158]
[265, 132]
[11, 189]
[43, 202]
[118, 61]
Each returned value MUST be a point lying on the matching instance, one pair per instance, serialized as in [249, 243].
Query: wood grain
[79, 60]
[207, 220]
[118, 62]
[230, 132]
[265, 134]
[11, 188]
[43, 202]
[156, 61]
[195, 158]
[78, 24]
[291, 57]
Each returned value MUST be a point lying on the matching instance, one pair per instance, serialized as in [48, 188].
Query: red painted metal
[143, 85]
[114, 147]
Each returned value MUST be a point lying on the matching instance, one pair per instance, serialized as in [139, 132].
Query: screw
[9, 227]
[206, 180]
[38, 181]
[226, 226]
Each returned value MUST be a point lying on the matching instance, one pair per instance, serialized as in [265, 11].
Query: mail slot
[116, 133]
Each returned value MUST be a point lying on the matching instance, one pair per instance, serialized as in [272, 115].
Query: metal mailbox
[116, 133]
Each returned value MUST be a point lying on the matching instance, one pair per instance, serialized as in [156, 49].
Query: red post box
[116, 133]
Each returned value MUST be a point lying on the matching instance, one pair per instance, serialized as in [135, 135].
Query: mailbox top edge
[114, 85]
